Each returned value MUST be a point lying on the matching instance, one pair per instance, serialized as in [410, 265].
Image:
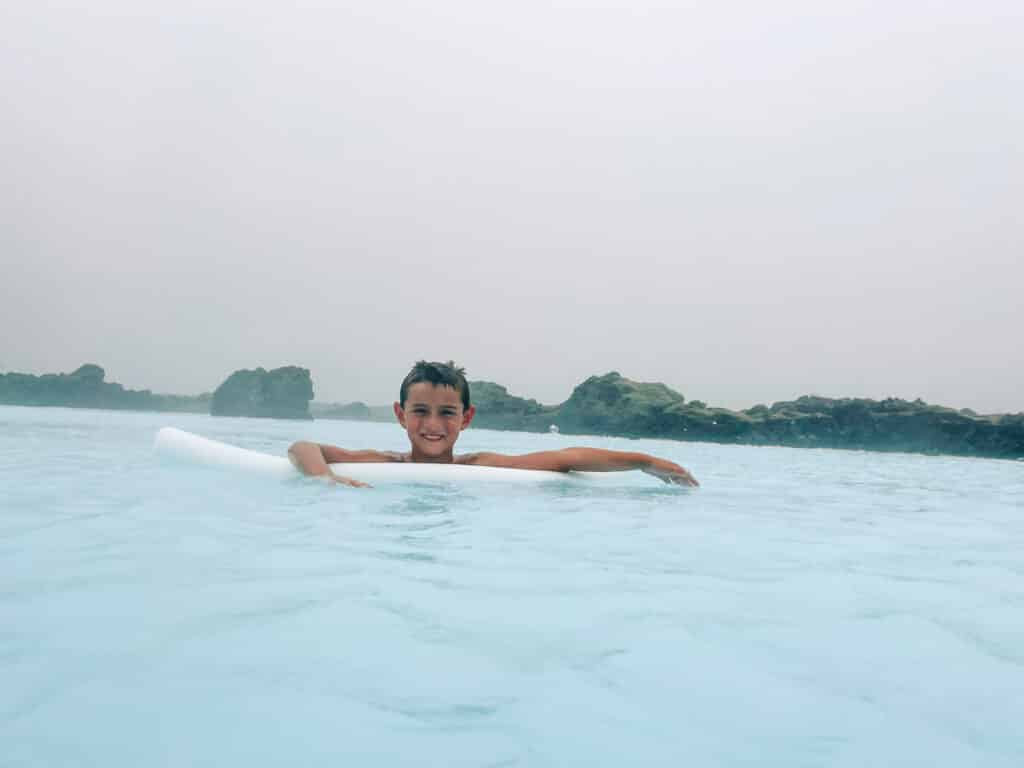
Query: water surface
[803, 608]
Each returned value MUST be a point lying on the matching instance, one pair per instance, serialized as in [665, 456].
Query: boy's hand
[671, 473]
[333, 479]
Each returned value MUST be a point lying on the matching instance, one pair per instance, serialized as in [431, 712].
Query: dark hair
[438, 374]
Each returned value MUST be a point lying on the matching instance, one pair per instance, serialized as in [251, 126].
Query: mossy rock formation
[281, 393]
[615, 405]
[86, 387]
[611, 404]
[497, 409]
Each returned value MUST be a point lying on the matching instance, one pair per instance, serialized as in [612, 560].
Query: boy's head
[434, 408]
[438, 374]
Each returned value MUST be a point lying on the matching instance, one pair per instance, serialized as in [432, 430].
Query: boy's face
[433, 416]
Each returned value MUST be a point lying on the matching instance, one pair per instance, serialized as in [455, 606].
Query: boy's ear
[399, 413]
[467, 416]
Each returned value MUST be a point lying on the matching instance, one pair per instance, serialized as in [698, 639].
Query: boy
[434, 407]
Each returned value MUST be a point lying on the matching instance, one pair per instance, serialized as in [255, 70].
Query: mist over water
[801, 608]
[746, 203]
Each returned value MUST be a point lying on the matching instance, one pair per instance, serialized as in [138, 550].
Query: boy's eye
[421, 410]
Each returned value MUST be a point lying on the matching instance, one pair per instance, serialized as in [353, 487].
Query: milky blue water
[803, 608]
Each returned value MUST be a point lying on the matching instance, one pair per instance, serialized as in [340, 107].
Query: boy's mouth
[433, 438]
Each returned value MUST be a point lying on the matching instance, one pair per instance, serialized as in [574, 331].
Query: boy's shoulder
[489, 459]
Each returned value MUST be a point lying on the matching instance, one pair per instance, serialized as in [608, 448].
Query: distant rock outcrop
[614, 405]
[609, 404]
[887, 425]
[497, 409]
[86, 388]
[282, 393]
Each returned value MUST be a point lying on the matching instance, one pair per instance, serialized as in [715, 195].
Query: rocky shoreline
[282, 393]
[86, 388]
[614, 405]
[609, 404]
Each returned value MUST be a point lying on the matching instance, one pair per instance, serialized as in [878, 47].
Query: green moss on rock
[281, 393]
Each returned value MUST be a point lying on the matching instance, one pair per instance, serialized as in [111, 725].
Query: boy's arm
[313, 458]
[587, 460]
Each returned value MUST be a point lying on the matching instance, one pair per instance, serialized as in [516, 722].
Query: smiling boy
[434, 407]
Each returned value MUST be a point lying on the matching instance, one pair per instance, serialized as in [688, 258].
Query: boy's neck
[419, 458]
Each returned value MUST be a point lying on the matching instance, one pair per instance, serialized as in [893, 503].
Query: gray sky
[747, 201]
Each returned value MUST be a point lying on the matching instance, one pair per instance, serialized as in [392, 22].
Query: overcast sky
[747, 201]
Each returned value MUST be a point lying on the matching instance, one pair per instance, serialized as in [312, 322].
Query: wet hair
[438, 374]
